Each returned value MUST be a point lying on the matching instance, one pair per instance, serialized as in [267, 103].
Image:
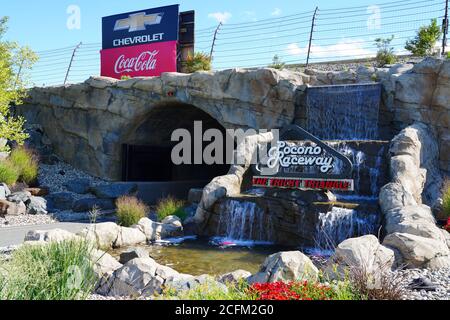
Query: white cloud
[276, 12]
[220, 16]
[343, 48]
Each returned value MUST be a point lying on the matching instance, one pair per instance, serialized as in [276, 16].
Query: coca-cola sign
[145, 61]
[140, 43]
[142, 60]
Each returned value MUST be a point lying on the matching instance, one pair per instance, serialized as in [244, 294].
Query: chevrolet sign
[141, 27]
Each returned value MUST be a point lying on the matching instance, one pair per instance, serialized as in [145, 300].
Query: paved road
[14, 235]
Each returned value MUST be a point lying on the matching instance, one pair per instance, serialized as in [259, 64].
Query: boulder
[173, 220]
[129, 237]
[12, 208]
[4, 191]
[136, 277]
[104, 263]
[419, 252]
[170, 230]
[36, 205]
[415, 162]
[113, 190]
[364, 253]
[234, 277]
[80, 185]
[20, 196]
[103, 234]
[55, 235]
[182, 282]
[60, 201]
[38, 192]
[407, 172]
[393, 195]
[195, 195]
[285, 266]
[87, 204]
[150, 228]
[133, 253]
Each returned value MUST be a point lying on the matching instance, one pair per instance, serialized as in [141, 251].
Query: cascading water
[344, 112]
[340, 223]
[243, 221]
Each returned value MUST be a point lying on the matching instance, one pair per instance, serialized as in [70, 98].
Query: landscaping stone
[38, 192]
[129, 237]
[20, 196]
[60, 201]
[4, 191]
[234, 277]
[36, 205]
[113, 190]
[133, 253]
[80, 185]
[87, 204]
[12, 208]
[195, 195]
[285, 266]
[55, 235]
[103, 234]
[364, 253]
[137, 277]
[419, 252]
[150, 228]
[104, 263]
[393, 196]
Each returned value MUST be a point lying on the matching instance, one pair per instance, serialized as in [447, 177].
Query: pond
[210, 256]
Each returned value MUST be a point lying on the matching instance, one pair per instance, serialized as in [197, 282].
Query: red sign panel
[303, 184]
[142, 60]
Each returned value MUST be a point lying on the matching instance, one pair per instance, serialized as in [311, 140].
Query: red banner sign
[304, 184]
[142, 60]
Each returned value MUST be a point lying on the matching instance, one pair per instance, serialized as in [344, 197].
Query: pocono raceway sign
[140, 43]
[310, 165]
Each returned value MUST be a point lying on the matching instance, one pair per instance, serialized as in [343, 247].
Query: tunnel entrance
[147, 152]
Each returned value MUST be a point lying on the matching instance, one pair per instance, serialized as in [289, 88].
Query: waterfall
[344, 112]
[375, 174]
[243, 220]
[339, 224]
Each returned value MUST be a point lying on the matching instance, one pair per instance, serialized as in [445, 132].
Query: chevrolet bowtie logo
[138, 21]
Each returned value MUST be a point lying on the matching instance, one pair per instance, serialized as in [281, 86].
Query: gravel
[55, 176]
[440, 278]
[26, 219]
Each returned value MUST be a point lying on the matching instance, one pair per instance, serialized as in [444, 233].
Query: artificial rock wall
[87, 123]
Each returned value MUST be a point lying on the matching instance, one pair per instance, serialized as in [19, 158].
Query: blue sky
[50, 31]
[253, 32]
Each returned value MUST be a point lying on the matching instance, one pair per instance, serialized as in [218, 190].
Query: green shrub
[56, 271]
[423, 44]
[446, 198]
[170, 207]
[199, 61]
[125, 78]
[26, 163]
[129, 210]
[448, 55]
[385, 53]
[277, 63]
[212, 291]
[9, 174]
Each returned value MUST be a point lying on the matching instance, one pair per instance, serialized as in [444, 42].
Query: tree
[423, 44]
[385, 53]
[14, 61]
[277, 63]
[199, 61]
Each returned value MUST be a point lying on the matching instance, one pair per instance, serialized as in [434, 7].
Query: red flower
[290, 291]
